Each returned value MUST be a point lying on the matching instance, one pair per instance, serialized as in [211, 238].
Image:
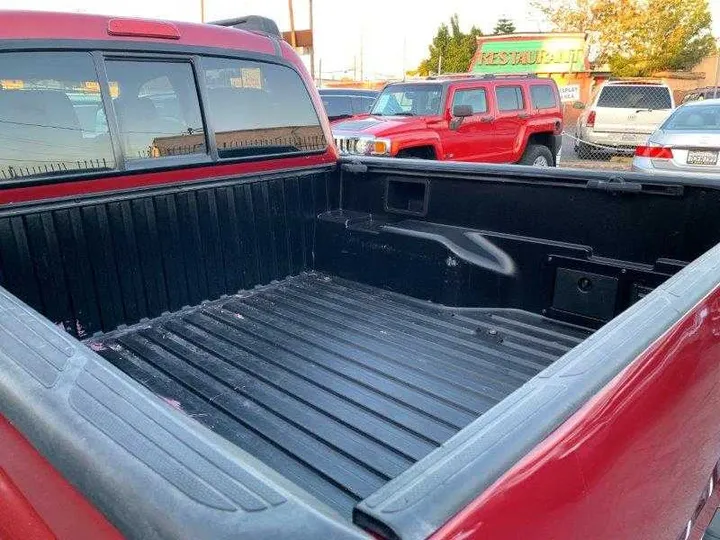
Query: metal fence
[621, 118]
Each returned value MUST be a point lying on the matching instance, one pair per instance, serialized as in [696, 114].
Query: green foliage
[504, 26]
[456, 48]
[638, 38]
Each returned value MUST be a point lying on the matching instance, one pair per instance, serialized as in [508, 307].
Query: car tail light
[142, 28]
[590, 119]
[654, 152]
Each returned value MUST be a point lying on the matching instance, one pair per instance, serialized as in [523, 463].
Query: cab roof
[51, 26]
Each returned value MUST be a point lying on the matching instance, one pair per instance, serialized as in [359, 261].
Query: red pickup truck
[212, 327]
[492, 119]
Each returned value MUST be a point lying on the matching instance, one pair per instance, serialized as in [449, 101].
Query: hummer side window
[509, 98]
[476, 98]
[542, 96]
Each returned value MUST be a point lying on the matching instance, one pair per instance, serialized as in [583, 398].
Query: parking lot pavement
[569, 159]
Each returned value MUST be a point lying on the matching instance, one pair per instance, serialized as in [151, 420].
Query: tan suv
[621, 117]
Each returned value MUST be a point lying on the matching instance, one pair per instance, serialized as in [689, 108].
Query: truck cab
[480, 119]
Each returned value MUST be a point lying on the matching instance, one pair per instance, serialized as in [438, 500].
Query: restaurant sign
[530, 53]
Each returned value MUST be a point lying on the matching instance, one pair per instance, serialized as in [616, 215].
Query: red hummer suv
[489, 119]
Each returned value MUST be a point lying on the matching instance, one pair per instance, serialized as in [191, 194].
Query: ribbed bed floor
[336, 385]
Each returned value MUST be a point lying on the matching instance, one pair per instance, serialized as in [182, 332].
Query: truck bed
[337, 385]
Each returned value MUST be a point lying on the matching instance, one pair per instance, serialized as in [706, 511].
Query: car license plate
[702, 157]
[629, 137]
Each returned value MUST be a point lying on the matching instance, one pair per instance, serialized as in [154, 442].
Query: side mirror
[578, 105]
[462, 111]
[459, 113]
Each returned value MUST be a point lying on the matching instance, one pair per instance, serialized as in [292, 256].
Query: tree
[504, 26]
[638, 37]
[455, 47]
[569, 15]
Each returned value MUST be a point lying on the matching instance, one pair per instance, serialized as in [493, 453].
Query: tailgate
[682, 143]
[629, 120]
[632, 108]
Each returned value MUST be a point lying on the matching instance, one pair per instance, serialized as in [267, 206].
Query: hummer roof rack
[483, 77]
[252, 23]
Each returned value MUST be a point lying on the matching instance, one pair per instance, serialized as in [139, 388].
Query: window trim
[113, 49]
[523, 105]
[111, 120]
[541, 85]
[201, 87]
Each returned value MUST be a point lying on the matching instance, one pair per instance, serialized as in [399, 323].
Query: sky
[390, 35]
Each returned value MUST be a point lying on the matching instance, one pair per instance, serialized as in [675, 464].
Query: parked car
[512, 119]
[213, 328]
[621, 117]
[698, 94]
[341, 103]
[688, 142]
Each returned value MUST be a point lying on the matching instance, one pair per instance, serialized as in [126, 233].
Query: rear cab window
[704, 117]
[625, 96]
[157, 108]
[58, 118]
[336, 106]
[509, 98]
[362, 105]
[49, 121]
[260, 109]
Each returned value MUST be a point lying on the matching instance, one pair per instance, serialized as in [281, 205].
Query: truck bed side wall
[94, 263]
[548, 235]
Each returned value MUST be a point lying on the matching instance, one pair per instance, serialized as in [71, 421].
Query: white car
[621, 117]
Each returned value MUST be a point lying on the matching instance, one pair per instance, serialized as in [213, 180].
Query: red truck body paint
[631, 463]
[36, 502]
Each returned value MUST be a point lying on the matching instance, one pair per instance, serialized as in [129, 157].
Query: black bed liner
[338, 386]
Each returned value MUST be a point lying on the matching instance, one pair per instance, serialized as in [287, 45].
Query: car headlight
[362, 146]
[373, 147]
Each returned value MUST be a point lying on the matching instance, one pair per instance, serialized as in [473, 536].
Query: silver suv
[622, 116]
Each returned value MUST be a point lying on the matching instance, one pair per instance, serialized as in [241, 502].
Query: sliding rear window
[259, 109]
[51, 117]
[157, 109]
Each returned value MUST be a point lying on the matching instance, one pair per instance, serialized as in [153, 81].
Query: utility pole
[320, 73]
[312, 47]
[355, 68]
[293, 38]
[717, 69]
[362, 74]
[439, 65]
[202, 11]
[403, 58]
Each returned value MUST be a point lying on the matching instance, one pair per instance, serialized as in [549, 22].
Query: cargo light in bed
[142, 28]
